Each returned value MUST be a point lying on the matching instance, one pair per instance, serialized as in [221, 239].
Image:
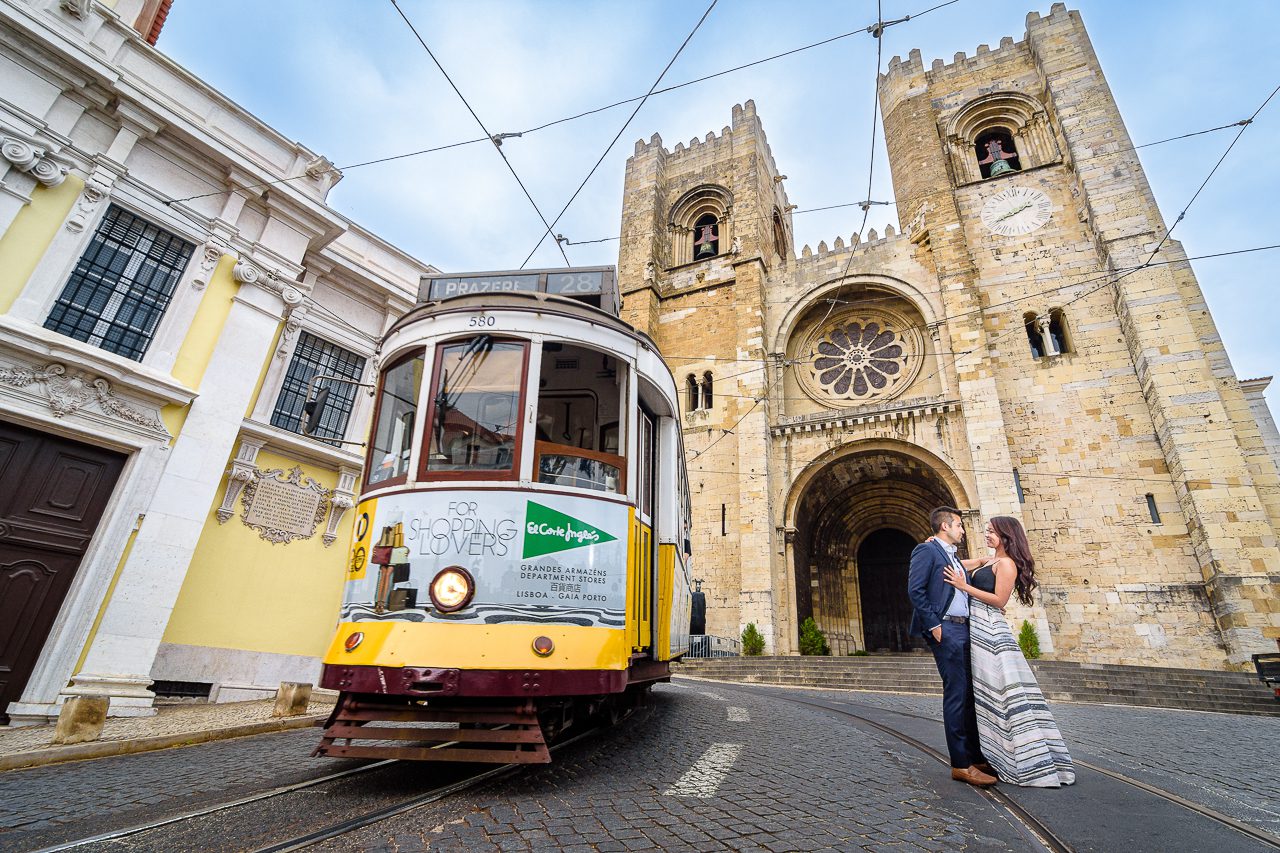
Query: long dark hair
[1014, 540]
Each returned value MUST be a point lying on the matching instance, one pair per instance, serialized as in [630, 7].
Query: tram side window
[579, 412]
[393, 428]
[475, 404]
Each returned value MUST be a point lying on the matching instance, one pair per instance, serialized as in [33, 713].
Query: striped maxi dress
[1019, 736]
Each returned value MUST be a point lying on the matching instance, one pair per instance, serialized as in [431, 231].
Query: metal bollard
[81, 719]
[292, 699]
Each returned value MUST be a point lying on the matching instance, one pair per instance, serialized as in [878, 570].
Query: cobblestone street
[706, 766]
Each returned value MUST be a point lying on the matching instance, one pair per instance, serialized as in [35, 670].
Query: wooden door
[52, 494]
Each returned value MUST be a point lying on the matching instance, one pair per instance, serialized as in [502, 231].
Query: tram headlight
[452, 589]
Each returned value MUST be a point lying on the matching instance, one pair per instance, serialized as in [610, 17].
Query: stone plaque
[284, 507]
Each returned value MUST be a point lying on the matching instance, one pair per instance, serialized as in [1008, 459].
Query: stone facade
[1004, 353]
[169, 583]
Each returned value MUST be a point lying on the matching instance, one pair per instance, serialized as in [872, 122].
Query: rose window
[861, 358]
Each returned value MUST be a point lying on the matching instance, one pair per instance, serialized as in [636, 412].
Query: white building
[170, 280]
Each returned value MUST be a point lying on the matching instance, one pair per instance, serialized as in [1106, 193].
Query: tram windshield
[579, 438]
[476, 407]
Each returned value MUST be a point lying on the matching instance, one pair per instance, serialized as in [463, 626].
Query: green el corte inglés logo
[547, 531]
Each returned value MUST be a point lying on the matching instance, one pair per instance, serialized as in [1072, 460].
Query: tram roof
[545, 303]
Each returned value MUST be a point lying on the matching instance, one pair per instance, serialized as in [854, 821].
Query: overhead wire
[617, 136]
[1244, 125]
[497, 142]
[559, 121]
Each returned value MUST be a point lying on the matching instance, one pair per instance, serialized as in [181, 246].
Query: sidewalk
[173, 725]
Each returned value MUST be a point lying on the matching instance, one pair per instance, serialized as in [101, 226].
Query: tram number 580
[483, 321]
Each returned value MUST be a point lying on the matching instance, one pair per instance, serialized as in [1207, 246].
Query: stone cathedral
[999, 353]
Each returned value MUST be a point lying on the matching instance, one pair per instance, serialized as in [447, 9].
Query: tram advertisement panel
[531, 557]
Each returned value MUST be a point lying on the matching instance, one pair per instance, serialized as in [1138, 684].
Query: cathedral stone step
[1142, 686]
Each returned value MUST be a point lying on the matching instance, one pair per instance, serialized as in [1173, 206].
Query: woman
[1018, 734]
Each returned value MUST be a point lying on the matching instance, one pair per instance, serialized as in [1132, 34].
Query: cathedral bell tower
[1015, 168]
[703, 227]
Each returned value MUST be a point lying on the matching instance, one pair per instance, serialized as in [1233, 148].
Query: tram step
[520, 735]
[540, 755]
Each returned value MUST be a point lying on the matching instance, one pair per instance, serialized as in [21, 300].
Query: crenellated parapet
[857, 246]
[906, 78]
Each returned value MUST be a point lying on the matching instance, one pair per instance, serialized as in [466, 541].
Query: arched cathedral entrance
[856, 522]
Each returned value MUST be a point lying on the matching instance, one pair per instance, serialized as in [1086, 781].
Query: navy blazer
[930, 594]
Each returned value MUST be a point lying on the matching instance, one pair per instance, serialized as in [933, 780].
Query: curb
[938, 695]
[106, 749]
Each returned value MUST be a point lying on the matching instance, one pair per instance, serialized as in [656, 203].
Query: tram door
[642, 541]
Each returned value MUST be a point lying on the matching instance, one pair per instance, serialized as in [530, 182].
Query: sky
[349, 80]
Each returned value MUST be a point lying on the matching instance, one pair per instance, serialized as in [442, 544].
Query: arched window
[1047, 333]
[707, 396]
[706, 237]
[1014, 122]
[779, 235]
[701, 225]
[1057, 331]
[996, 152]
[1031, 321]
[692, 393]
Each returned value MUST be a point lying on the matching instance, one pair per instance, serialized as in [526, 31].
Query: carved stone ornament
[78, 9]
[27, 158]
[96, 188]
[243, 470]
[284, 506]
[210, 254]
[861, 356]
[69, 393]
[246, 273]
[343, 499]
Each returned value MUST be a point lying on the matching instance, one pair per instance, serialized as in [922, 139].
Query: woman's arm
[1005, 571]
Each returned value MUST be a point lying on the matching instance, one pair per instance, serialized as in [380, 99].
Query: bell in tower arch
[998, 159]
[707, 243]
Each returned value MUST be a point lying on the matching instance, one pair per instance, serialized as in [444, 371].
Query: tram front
[514, 546]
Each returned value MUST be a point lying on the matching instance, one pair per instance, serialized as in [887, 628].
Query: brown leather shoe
[973, 776]
[985, 768]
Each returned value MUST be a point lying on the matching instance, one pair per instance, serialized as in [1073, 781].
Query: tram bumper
[425, 682]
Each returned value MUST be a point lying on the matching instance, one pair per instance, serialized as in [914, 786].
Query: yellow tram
[521, 541]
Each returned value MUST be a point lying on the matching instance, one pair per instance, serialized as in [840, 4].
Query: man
[941, 616]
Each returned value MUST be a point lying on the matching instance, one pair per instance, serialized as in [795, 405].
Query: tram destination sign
[584, 281]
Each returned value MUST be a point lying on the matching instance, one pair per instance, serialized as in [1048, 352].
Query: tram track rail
[334, 830]
[1050, 839]
[208, 810]
[341, 828]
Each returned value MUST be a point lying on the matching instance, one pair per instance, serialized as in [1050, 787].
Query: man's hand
[937, 634]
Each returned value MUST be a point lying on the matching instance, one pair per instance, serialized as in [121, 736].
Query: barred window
[121, 285]
[315, 357]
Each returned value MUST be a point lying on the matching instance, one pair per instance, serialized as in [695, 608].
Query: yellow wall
[33, 229]
[206, 325]
[202, 336]
[242, 592]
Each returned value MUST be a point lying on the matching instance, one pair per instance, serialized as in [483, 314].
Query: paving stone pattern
[1224, 761]
[799, 783]
[84, 798]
